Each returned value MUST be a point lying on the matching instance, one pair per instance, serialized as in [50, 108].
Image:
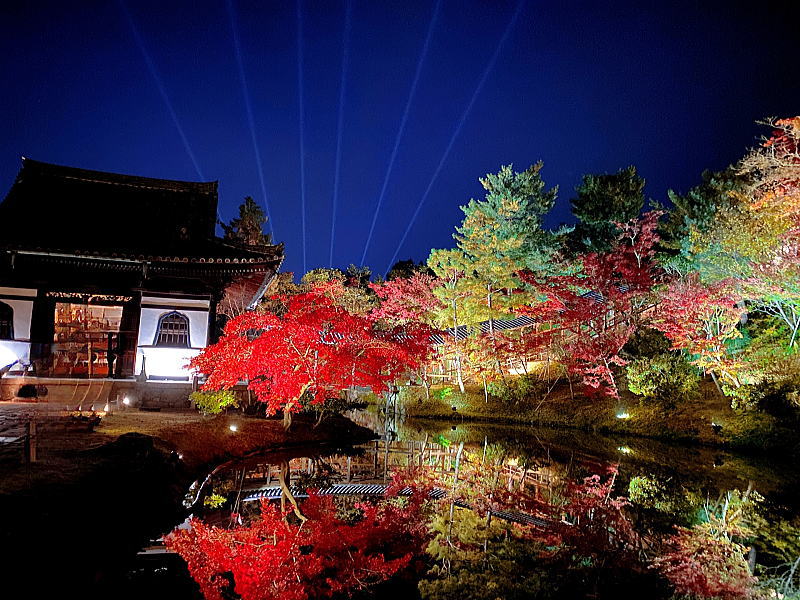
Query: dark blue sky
[672, 87]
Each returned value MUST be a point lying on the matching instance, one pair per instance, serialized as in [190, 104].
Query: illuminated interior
[83, 336]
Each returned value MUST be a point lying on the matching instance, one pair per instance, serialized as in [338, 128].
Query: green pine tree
[602, 201]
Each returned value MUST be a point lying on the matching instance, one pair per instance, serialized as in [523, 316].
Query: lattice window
[173, 331]
[6, 322]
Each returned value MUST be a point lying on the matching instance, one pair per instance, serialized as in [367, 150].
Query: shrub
[516, 389]
[779, 398]
[664, 378]
[647, 343]
[213, 403]
[443, 393]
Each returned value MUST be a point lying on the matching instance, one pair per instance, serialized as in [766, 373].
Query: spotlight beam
[161, 88]
[249, 110]
[342, 89]
[481, 82]
[401, 128]
[301, 104]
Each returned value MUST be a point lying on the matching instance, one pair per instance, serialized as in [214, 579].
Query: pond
[440, 510]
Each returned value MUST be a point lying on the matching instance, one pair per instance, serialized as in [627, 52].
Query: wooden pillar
[129, 337]
[42, 330]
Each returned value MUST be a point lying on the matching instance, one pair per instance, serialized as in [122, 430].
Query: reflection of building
[113, 276]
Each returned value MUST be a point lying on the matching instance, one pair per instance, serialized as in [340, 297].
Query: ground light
[623, 415]
[233, 428]
[624, 449]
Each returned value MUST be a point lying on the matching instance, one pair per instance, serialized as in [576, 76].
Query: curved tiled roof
[35, 168]
[67, 211]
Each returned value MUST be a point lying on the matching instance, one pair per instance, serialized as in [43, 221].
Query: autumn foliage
[700, 319]
[704, 566]
[326, 555]
[312, 351]
[598, 302]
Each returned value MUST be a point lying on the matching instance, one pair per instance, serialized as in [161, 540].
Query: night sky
[155, 89]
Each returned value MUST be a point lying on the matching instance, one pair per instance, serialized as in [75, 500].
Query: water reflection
[497, 512]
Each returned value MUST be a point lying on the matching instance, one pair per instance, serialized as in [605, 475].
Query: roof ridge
[108, 177]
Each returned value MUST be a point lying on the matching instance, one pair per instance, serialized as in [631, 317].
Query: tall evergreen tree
[510, 217]
[601, 203]
[248, 228]
[693, 214]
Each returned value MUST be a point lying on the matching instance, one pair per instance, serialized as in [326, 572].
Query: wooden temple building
[110, 283]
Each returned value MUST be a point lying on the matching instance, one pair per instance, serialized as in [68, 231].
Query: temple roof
[35, 168]
[53, 209]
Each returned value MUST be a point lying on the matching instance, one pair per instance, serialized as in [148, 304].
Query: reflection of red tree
[586, 520]
[701, 565]
[326, 555]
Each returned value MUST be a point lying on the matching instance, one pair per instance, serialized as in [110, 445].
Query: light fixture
[126, 401]
[623, 415]
[624, 449]
[233, 427]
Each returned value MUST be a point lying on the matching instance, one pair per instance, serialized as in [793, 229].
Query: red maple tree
[700, 319]
[311, 352]
[599, 301]
[406, 299]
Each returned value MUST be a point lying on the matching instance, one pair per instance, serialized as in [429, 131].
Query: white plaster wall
[169, 362]
[22, 317]
[22, 310]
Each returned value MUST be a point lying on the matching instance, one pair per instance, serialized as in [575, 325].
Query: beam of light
[402, 127]
[301, 103]
[249, 110]
[342, 88]
[161, 88]
[462, 120]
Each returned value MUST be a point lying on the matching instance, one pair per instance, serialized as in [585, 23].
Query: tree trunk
[716, 383]
[286, 492]
[459, 371]
[500, 369]
[287, 416]
[460, 375]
